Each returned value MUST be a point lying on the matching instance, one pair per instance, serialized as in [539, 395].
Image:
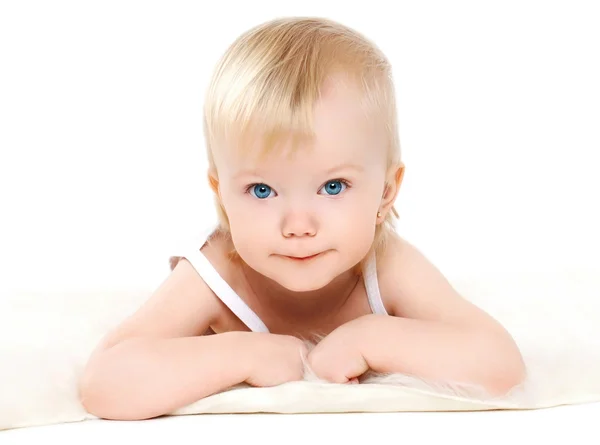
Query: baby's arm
[157, 360]
[144, 377]
[437, 333]
[434, 333]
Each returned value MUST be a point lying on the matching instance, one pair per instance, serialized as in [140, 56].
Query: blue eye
[335, 187]
[261, 191]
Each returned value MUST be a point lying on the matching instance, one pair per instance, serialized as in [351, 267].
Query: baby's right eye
[261, 191]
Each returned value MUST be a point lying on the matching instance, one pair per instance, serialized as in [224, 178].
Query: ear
[213, 182]
[393, 183]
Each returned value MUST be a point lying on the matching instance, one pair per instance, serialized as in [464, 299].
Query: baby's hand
[276, 359]
[337, 357]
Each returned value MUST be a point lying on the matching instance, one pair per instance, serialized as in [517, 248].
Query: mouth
[305, 258]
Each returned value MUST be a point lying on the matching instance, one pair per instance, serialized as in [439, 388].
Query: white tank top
[234, 302]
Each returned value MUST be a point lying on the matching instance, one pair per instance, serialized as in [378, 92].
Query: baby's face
[322, 200]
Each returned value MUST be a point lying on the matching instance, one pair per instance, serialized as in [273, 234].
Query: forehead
[343, 132]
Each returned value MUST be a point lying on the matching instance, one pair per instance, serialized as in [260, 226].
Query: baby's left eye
[335, 187]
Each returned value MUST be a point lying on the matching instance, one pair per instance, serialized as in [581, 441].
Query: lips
[304, 258]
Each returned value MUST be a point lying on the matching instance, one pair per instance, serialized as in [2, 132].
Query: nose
[298, 224]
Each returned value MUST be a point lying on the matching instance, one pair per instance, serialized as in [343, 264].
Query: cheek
[250, 225]
[237, 206]
[241, 226]
[357, 212]
[245, 240]
[360, 228]
[354, 221]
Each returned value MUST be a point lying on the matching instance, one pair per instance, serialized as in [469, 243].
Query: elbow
[94, 405]
[506, 371]
[104, 392]
[97, 396]
[103, 402]
[92, 397]
[504, 385]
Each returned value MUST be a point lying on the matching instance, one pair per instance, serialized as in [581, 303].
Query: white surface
[102, 159]
[576, 424]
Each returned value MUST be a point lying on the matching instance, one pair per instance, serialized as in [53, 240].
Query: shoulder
[217, 251]
[214, 246]
[413, 287]
[410, 284]
[210, 242]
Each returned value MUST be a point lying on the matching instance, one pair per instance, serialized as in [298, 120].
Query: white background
[102, 161]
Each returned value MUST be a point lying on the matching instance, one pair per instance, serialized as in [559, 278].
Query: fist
[337, 358]
[276, 359]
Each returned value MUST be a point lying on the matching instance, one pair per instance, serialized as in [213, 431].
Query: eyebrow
[347, 166]
[330, 171]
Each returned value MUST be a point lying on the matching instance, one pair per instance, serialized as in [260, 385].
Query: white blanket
[46, 338]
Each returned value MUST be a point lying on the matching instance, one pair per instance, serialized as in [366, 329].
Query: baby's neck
[281, 302]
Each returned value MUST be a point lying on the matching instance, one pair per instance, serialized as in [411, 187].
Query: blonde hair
[269, 79]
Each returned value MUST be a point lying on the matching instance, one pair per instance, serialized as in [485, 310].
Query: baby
[304, 161]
